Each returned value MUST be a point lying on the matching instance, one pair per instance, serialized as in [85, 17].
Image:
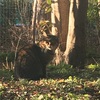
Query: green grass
[63, 83]
[7, 56]
[6, 74]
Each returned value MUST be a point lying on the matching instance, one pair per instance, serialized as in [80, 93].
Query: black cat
[31, 60]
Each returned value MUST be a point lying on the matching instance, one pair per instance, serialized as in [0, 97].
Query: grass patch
[7, 56]
[63, 83]
[5, 74]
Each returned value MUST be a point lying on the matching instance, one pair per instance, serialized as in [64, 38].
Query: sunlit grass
[63, 83]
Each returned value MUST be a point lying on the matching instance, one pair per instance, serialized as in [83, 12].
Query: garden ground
[63, 83]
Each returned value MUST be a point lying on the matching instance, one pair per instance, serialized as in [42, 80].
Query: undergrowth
[63, 83]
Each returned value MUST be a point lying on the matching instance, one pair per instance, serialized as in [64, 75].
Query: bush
[7, 56]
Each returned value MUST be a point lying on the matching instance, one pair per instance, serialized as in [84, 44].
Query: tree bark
[62, 19]
[75, 46]
[64, 13]
[99, 7]
[98, 23]
[33, 25]
[36, 17]
[55, 17]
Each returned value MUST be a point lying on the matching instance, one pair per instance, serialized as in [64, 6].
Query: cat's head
[50, 42]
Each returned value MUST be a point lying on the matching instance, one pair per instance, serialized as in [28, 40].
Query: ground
[63, 83]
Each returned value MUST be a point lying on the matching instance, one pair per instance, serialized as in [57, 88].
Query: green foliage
[93, 67]
[61, 70]
[92, 36]
[6, 74]
[93, 13]
[46, 6]
[7, 56]
[79, 85]
[48, 1]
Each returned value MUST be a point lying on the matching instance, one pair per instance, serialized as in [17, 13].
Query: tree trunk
[55, 21]
[75, 46]
[55, 17]
[64, 13]
[33, 25]
[36, 17]
[98, 23]
[99, 7]
[62, 17]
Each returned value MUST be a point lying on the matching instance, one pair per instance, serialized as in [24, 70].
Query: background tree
[64, 20]
[75, 47]
[72, 32]
[99, 20]
[59, 21]
[55, 17]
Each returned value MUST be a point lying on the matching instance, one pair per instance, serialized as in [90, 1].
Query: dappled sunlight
[63, 82]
